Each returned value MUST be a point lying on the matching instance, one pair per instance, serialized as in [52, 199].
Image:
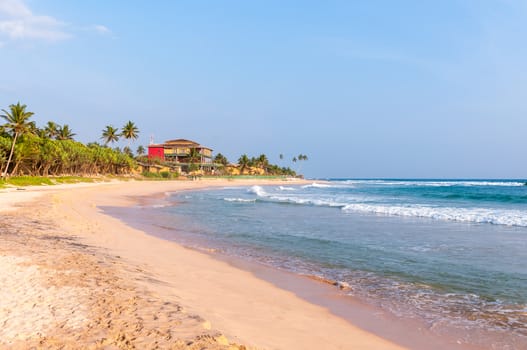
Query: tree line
[26, 149]
[245, 163]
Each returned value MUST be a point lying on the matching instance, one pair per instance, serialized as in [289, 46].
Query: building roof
[184, 143]
[180, 143]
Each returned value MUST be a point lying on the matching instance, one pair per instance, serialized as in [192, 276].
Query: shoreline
[244, 305]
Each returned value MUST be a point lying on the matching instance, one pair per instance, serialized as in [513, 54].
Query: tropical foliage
[27, 150]
[35, 156]
[110, 134]
[130, 132]
[221, 159]
[261, 166]
[18, 123]
[65, 133]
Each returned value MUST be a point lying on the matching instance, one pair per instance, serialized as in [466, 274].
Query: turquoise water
[450, 253]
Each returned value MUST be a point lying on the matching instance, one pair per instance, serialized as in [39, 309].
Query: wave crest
[242, 200]
[476, 215]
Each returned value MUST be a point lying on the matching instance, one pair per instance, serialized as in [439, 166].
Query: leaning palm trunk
[10, 155]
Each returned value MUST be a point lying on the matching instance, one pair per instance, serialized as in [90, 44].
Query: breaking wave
[433, 183]
[242, 200]
[475, 215]
[508, 217]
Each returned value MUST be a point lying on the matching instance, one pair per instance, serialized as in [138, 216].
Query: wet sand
[79, 278]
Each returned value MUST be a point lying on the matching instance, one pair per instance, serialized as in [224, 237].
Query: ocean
[451, 254]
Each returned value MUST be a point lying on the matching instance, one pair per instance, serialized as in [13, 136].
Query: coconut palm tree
[140, 151]
[65, 133]
[193, 158]
[130, 132]
[263, 162]
[221, 159]
[128, 151]
[243, 162]
[301, 157]
[110, 134]
[51, 130]
[17, 122]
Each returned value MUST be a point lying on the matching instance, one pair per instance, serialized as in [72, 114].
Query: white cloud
[18, 22]
[103, 30]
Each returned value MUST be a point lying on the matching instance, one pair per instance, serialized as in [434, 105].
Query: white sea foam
[308, 201]
[476, 215]
[282, 188]
[258, 190]
[242, 200]
[317, 185]
[509, 217]
[295, 199]
[434, 183]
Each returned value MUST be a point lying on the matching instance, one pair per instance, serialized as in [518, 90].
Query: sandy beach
[73, 277]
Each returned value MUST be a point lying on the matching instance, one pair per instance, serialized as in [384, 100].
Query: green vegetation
[40, 180]
[26, 150]
[221, 159]
[65, 133]
[18, 123]
[110, 135]
[162, 175]
[261, 166]
[130, 132]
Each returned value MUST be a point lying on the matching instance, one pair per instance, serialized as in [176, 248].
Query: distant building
[182, 153]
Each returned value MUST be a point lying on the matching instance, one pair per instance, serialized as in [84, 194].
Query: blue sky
[364, 88]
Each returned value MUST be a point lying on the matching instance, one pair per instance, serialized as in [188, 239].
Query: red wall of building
[156, 152]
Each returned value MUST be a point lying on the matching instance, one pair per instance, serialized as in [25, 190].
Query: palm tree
[301, 157]
[140, 151]
[130, 132]
[110, 134]
[32, 128]
[128, 151]
[243, 162]
[221, 159]
[263, 162]
[65, 133]
[17, 121]
[193, 157]
[51, 130]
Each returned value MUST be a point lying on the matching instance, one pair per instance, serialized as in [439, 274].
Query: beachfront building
[183, 153]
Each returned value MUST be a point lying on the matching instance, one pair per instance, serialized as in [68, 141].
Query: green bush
[150, 174]
[163, 175]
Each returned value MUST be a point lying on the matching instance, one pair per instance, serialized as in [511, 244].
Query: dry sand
[72, 277]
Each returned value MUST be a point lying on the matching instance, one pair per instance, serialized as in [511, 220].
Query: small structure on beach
[184, 154]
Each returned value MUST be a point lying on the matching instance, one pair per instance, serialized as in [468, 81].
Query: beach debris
[339, 284]
[343, 285]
